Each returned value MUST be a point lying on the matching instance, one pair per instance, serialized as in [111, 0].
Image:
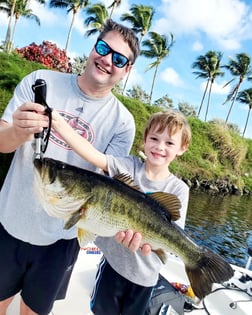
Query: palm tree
[98, 16]
[8, 6]
[158, 47]
[22, 10]
[239, 68]
[113, 5]
[245, 97]
[141, 19]
[71, 5]
[209, 68]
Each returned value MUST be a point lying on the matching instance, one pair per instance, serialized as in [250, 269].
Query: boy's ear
[182, 150]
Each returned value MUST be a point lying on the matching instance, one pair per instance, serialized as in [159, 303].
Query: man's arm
[28, 119]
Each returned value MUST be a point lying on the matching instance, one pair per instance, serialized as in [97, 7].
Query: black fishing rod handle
[39, 89]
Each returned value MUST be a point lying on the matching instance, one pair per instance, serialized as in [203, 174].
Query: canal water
[223, 223]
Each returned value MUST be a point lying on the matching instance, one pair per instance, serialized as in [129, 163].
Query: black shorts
[40, 273]
[115, 295]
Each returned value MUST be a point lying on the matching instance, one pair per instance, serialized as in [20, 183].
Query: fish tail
[211, 268]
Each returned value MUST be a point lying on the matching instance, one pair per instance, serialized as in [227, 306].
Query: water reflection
[221, 223]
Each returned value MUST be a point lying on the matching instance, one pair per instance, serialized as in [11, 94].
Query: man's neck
[91, 88]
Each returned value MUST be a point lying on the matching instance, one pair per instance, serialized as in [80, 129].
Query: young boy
[125, 279]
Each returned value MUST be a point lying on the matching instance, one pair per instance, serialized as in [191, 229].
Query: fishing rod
[41, 139]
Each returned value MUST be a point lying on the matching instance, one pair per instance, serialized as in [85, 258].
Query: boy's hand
[132, 241]
[58, 122]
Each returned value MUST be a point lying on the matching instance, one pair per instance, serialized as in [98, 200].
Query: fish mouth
[47, 168]
[53, 188]
[38, 163]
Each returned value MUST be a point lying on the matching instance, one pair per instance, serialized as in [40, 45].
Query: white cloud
[197, 46]
[217, 88]
[226, 22]
[47, 16]
[170, 76]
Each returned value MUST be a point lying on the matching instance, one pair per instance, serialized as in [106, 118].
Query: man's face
[101, 68]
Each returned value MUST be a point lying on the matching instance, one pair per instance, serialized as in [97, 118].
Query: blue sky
[197, 25]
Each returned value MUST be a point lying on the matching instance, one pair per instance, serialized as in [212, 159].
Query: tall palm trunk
[70, 30]
[126, 81]
[7, 43]
[234, 99]
[209, 96]
[246, 124]
[153, 82]
[13, 33]
[203, 98]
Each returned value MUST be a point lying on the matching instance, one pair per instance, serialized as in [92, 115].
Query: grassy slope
[215, 152]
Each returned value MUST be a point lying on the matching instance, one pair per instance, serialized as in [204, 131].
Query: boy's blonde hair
[173, 121]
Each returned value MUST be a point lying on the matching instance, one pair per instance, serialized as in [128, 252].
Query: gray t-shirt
[139, 269]
[105, 122]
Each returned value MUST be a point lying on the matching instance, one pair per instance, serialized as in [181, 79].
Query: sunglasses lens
[119, 60]
[103, 49]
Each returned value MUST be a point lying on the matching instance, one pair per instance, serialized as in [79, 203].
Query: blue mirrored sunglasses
[103, 49]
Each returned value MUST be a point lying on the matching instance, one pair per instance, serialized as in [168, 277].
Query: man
[37, 254]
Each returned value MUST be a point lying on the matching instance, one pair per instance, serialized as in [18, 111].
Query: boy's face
[162, 148]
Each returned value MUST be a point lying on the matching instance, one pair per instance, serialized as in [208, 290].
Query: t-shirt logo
[78, 124]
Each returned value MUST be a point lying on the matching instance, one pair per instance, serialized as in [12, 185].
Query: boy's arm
[80, 145]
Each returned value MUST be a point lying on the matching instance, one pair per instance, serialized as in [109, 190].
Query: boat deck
[219, 302]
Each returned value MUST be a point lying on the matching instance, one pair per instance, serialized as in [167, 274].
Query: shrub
[48, 54]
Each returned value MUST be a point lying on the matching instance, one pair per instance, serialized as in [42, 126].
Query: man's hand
[29, 119]
[132, 241]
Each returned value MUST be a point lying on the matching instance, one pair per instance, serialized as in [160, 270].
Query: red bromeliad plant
[48, 54]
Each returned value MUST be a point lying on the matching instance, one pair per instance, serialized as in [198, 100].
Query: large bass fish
[101, 205]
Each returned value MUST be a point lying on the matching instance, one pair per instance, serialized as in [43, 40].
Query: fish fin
[73, 219]
[170, 201]
[128, 180]
[85, 237]
[161, 254]
[211, 268]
